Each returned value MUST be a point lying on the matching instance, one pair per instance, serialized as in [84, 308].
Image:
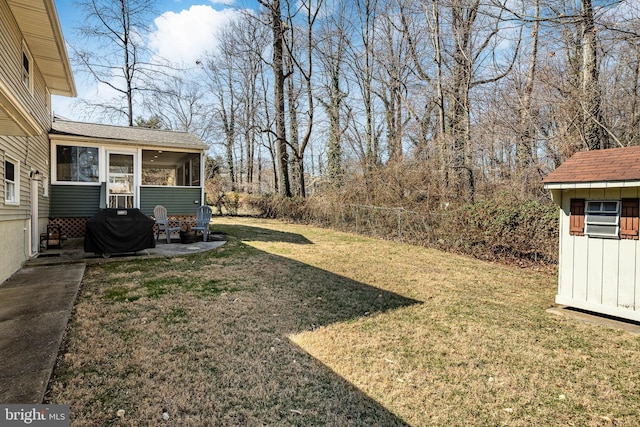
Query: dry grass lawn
[294, 325]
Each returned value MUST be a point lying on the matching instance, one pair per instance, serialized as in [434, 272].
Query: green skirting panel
[177, 200]
[74, 201]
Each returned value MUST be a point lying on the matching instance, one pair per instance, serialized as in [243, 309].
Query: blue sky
[181, 33]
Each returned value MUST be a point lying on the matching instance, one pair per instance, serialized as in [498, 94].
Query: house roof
[615, 167]
[40, 27]
[126, 135]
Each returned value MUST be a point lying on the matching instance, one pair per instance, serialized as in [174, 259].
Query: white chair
[203, 217]
[160, 214]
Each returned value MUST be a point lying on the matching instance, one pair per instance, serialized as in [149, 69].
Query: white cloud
[185, 36]
[223, 2]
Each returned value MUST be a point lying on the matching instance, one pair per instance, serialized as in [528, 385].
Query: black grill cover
[113, 231]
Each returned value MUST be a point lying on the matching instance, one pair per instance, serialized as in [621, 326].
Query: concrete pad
[73, 252]
[25, 388]
[37, 290]
[28, 344]
[35, 306]
[597, 319]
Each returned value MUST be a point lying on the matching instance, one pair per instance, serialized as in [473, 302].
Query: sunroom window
[77, 164]
[602, 218]
[172, 169]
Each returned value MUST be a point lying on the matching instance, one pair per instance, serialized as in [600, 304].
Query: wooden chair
[203, 217]
[162, 220]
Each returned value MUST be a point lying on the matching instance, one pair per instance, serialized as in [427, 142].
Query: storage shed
[599, 260]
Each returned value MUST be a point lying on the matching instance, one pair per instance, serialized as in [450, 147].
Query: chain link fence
[493, 230]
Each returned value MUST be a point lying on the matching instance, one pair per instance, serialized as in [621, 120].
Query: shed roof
[126, 134]
[598, 167]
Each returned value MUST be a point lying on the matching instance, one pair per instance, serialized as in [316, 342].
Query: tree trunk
[526, 137]
[592, 120]
[278, 92]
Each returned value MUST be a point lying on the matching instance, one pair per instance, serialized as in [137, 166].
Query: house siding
[598, 274]
[31, 152]
[75, 201]
[177, 200]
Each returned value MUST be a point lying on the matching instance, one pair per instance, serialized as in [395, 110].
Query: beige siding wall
[598, 274]
[32, 152]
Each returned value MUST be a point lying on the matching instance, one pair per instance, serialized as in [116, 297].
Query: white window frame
[54, 162]
[26, 75]
[601, 214]
[48, 102]
[45, 186]
[12, 198]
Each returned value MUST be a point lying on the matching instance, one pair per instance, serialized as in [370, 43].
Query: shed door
[120, 188]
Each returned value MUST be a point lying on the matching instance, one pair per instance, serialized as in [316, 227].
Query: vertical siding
[610, 272]
[628, 266]
[594, 269]
[598, 274]
[580, 275]
[636, 289]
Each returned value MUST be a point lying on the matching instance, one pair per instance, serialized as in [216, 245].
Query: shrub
[502, 228]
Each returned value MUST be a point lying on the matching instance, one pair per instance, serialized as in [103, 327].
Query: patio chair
[203, 217]
[160, 214]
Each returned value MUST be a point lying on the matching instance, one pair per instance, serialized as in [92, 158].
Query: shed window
[629, 219]
[576, 217]
[602, 218]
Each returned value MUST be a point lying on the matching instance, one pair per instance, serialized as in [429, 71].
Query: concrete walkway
[35, 307]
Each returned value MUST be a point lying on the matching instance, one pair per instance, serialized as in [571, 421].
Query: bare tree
[393, 69]
[526, 132]
[361, 51]
[592, 122]
[274, 9]
[305, 68]
[475, 33]
[221, 67]
[252, 41]
[114, 52]
[179, 102]
[331, 50]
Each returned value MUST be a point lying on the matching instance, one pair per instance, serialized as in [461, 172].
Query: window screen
[602, 218]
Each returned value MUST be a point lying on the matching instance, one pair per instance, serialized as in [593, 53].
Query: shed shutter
[629, 218]
[576, 217]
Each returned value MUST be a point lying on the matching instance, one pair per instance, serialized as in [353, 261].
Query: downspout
[203, 196]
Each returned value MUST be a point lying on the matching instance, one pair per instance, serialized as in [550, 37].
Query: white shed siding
[598, 274]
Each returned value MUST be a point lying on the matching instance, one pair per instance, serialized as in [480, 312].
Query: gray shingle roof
[128, 135]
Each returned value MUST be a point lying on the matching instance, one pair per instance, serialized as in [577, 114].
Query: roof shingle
[615, 164]
[127, 134]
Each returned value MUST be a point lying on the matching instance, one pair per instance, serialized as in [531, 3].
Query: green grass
[295, 325]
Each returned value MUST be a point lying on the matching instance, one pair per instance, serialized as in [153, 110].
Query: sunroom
[97, 166]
